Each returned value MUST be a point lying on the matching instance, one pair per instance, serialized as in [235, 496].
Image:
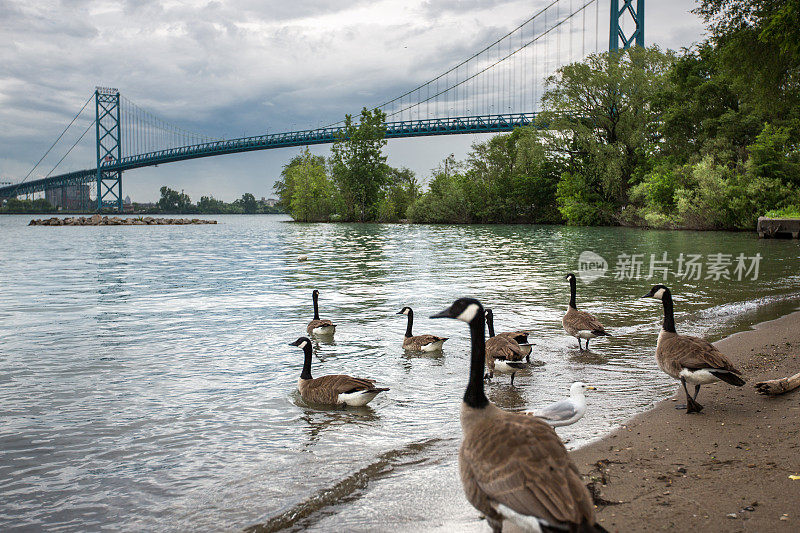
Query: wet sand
[725, 469]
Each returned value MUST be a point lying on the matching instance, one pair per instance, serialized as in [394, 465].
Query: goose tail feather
[729, 377]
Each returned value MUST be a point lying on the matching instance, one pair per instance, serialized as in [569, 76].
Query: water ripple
[146, 382]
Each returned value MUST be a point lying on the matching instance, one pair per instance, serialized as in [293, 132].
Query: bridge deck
[394, 130]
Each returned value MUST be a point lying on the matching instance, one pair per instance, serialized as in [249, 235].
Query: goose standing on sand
[689, 359]
[317, 326]
[514, 467]
[567, 411]
[580, 324]
[504, 355]
[335, 389]
[419, 343]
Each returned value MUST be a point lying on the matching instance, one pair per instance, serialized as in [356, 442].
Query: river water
[146, 381]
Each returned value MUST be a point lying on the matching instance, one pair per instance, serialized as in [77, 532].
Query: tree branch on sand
[774, 387]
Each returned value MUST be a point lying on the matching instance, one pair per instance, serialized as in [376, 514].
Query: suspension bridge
[496, 89]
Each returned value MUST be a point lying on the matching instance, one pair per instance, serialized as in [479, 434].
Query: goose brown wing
[520, 462]
[418, 341]
[518, 336]
[318, 324]
[343, 384]
[326, 389]
[499, 347]
[695, 353]
[586, 321]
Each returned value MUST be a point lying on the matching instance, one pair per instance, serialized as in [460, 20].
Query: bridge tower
[109, 147]
[617, 35]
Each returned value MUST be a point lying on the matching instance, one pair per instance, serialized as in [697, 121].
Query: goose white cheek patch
[659, 294]
[303, 344]
[469, 313]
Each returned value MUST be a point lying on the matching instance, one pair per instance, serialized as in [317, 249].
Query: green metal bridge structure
[482, 94]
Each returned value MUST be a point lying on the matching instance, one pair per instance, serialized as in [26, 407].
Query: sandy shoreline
[726, 469]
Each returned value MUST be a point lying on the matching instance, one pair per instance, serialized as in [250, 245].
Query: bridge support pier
[109, 148]
[109, 190]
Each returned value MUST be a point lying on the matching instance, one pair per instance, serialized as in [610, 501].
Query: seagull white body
[567, 411]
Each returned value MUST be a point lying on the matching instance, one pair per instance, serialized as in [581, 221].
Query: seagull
[565, 412]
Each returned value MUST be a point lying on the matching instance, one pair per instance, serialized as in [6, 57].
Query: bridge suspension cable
[143, 131]
[506, 75]
[91, 124]
[71, 122]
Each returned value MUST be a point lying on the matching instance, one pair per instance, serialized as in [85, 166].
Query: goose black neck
[307, 362]
[572, 284]
[316, 308]
[410, 323]
[474, 395]
[669, 317]
[490, 323]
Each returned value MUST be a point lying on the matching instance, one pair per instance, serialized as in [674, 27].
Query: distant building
[71, 197]
[270, 202]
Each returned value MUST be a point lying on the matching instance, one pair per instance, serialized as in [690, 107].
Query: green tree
[516, 177]
[401, 191]
[757, 45]
[448, 198]
[359, 165]
[174, 201]
[284, 187]
[773, 155]
[313, 196]
[249, 203]
[602, 120]
[210, 205]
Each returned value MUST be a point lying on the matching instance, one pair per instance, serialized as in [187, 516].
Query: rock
[97, 220]
[732, 515]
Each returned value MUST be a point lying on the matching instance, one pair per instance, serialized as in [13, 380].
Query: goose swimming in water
[689, 359]
[580, 324]
[419, 343]
[513, 467]
[335, 389]
[317, 326]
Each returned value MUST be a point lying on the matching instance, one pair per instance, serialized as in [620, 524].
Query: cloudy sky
[232, 68]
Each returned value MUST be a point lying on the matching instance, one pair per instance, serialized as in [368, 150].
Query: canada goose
[567, 411]
[419, 343]
[503, 354]
[335, 389]
[520, 337]
[317, 326]
[580, 324]
[513, 466]
[689, 358]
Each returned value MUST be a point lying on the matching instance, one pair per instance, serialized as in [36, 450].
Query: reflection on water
[147, 380]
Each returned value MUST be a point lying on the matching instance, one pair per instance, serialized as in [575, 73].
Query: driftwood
[778, 386]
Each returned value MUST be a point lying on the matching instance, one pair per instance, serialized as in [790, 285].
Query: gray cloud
[225, 68]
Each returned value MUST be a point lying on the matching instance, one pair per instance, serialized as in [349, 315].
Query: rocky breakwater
[97, 220]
